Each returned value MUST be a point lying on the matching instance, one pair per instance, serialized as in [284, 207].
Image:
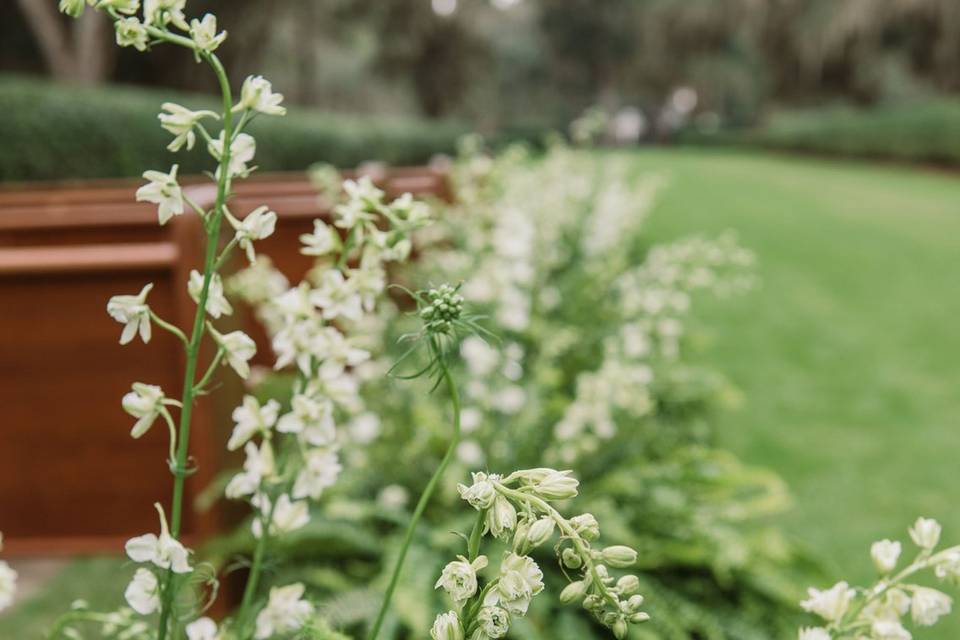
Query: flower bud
[481, 493]
[593, 602]
[628, 585]
[501, 517]
[885, 554]
[540, 531]
[634, 603]
[73, 8]
[573, 592]
[587, 526]
[447, 627]
[620, 629]
[639, 617]
[558, 485]
[571, 559]
[925, 533]
[619, 556]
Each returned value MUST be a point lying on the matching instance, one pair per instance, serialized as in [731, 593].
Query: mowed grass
[848, 356]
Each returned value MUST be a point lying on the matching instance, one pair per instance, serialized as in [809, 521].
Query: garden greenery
[562, 345]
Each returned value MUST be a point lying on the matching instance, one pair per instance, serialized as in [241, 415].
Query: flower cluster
[518, 508]
[8, 581]
[878, 612]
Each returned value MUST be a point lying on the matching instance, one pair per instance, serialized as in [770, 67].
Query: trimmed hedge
[51, 131]
[924, 132]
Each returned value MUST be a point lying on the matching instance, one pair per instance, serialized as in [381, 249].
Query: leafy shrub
[106, 133]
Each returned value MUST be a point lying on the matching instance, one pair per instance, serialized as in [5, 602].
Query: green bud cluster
[442, 307]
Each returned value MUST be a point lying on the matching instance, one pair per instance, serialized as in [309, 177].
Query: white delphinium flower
[889, 630]
[340, 354]
[368, 281]
[164, 191]
[251, 418]
[286, 612]
[323, 241]
[925, 533]
[321, 467]
[127, 7]
[242, 150]
[181, 121]
[8, 581]
[288, 515]
[161, 12]
[131, 33]
[459, 578]
[927, 605]
[336, 297]
[830, 604]
[814, 633]
[885, 554]
[257, 225]
[143, 592]
[164, 550]
[447, 627]
[494, 621]
[259, 464]
[204, 33]
[949, 566]
[238, 348]
[481, 494]
[312, 418]
[364, 428]
[73, 8]
[202, 629]
[217, 304]
[133, 312]
[520, 580]
[145, 403]
[257, 94]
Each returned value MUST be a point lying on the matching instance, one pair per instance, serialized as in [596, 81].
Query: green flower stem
[424, 499]
[473, 543]
[198, 388]
[255, 569]
[196, 337]
[564, 525]
[169, 327]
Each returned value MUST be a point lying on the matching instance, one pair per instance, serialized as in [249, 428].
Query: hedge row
[923, 132]
[53, 131]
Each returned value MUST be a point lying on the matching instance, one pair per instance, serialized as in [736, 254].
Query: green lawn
[849, 355]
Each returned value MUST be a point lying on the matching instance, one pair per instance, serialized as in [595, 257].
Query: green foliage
[923, 132]
[55, 131]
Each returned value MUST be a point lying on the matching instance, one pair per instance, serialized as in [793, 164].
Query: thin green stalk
[422, 503]
[196, 337]
[254, 578]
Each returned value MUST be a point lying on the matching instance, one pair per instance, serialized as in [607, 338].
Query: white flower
[336, 297]
[286, 611]
[143, 592]
[73, 8]
[364, 428]
[480, 357]
[128, 7]
[320, 470]
[164, 191]
[949, 567]
[145, 403]
[242, 150]
[340, 354]
[459, 578]
[8, 584]
[202, 629]
[259, 464]
[162, 12]
[494, 621]
[520, 580]
[288, 515]
[131, 33]
[830, 604]
[238, 348]
[814, 633]
[250, 419]
[889, 630]
[180, 121]
[885, 554]
[927, 605]
[447, 627]
[204, 33]
[322, 241]
[257, 94]
[163, 550]
[481, 493]
[257, 225]
[312, 418]
[134, 313]
[217, 304]
[556, 485]
[925, 533]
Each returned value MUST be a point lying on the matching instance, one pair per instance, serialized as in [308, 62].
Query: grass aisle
[849, 354]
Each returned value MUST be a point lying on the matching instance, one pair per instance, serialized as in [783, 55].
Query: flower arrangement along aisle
[589, 374]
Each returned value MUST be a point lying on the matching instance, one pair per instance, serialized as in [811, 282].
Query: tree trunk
[79, 54]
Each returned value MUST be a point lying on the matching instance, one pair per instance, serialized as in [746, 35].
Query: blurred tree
[78, 51]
